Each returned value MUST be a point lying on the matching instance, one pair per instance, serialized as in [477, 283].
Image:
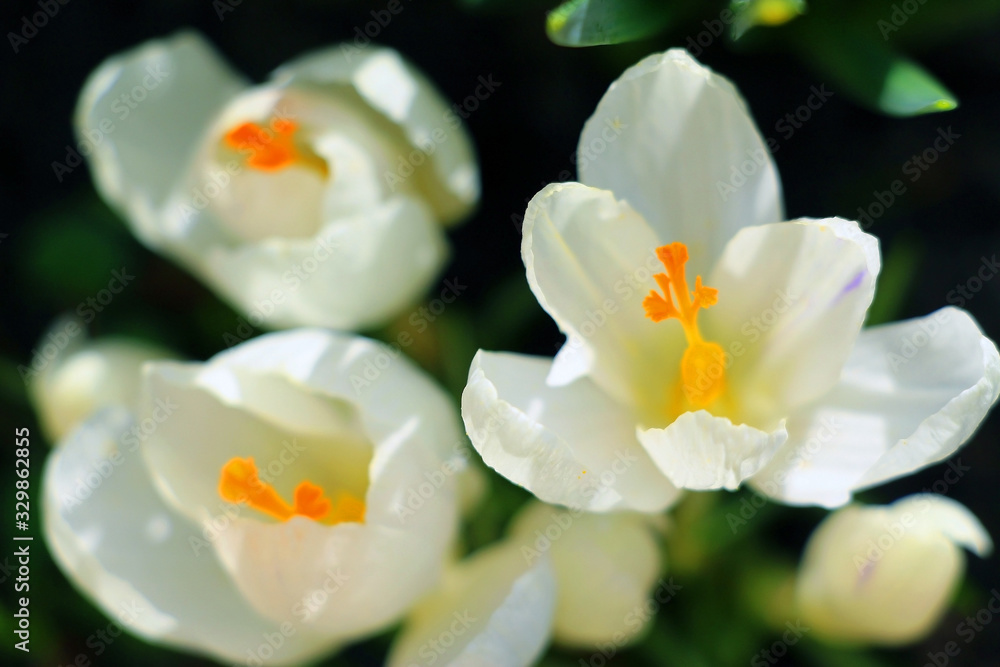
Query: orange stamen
[240, 483]
[703, 364]
[272, 149]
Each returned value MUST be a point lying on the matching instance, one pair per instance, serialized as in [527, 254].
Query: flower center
[273, 149]
[239, 483]
[703, 366]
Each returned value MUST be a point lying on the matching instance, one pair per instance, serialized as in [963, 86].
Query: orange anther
[239, 483]
[272, 149]
[703, 363]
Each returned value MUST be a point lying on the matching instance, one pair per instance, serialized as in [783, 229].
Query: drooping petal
[884, 575]
[495, 608]
[357, 272]
[910, 395]
[792, 298]
[143, 563]
[675, 140]
[144, 113]
[590, 260]
[393, 88]
[606, 568]
[699, 451]
[570, 445]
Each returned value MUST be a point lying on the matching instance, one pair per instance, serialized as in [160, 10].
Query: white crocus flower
[317, 198]
[583, 580]
[885, 575]
[607, 570]
[249, 509]
[707, 342]
[494, 608]
[71, 378]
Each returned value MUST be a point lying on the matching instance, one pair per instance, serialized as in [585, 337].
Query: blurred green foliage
[852, 43]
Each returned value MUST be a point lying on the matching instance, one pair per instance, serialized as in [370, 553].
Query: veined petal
[699, 451]
[792, 298]
[357, 272]
[569, 445]
[856, 581]
[142, 562]
[150, 106]
[590, 260]
[393, 88]
[676, 141]
[495, 608]
[606, 567]
[910, 395]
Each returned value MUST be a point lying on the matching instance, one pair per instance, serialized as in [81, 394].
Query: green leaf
[597, 22]
[866, 69]
[750, 13]
[910, 90]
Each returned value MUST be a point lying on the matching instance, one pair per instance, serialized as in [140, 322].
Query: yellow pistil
[273, 149]
[703, 364]
[239, 483]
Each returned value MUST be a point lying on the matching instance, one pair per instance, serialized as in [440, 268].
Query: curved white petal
[312, 404]
[606, 566]
[884, 575]
[910, 395]
[590, 260]
[948, 517]
[570, 445]
[792, 299]
[143, 113]
[143, 563]
[395, 89]
[73, 378]
[357, 272]
[700, 451]
[494, 609]
[675, 141]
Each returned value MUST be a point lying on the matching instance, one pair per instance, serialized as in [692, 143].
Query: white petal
[569, 445]
[139, 560]
[493, 610]
[590, 261]
[884, 575]
[792, 298]
[910, 395]
[606, 567]
[330, 396]
[675, 140]
[356, 273]
[950, 518]
[77, 377]
[395, 89]
[146, 110]
[700, 451]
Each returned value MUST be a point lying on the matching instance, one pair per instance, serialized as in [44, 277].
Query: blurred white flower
[494, 608]
[885, 575]
[249, 508]
[316, 198]
[583, 580]
[71, 377]
[606, 567]
[760, 372]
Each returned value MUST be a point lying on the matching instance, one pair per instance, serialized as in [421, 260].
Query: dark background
[61, 242]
